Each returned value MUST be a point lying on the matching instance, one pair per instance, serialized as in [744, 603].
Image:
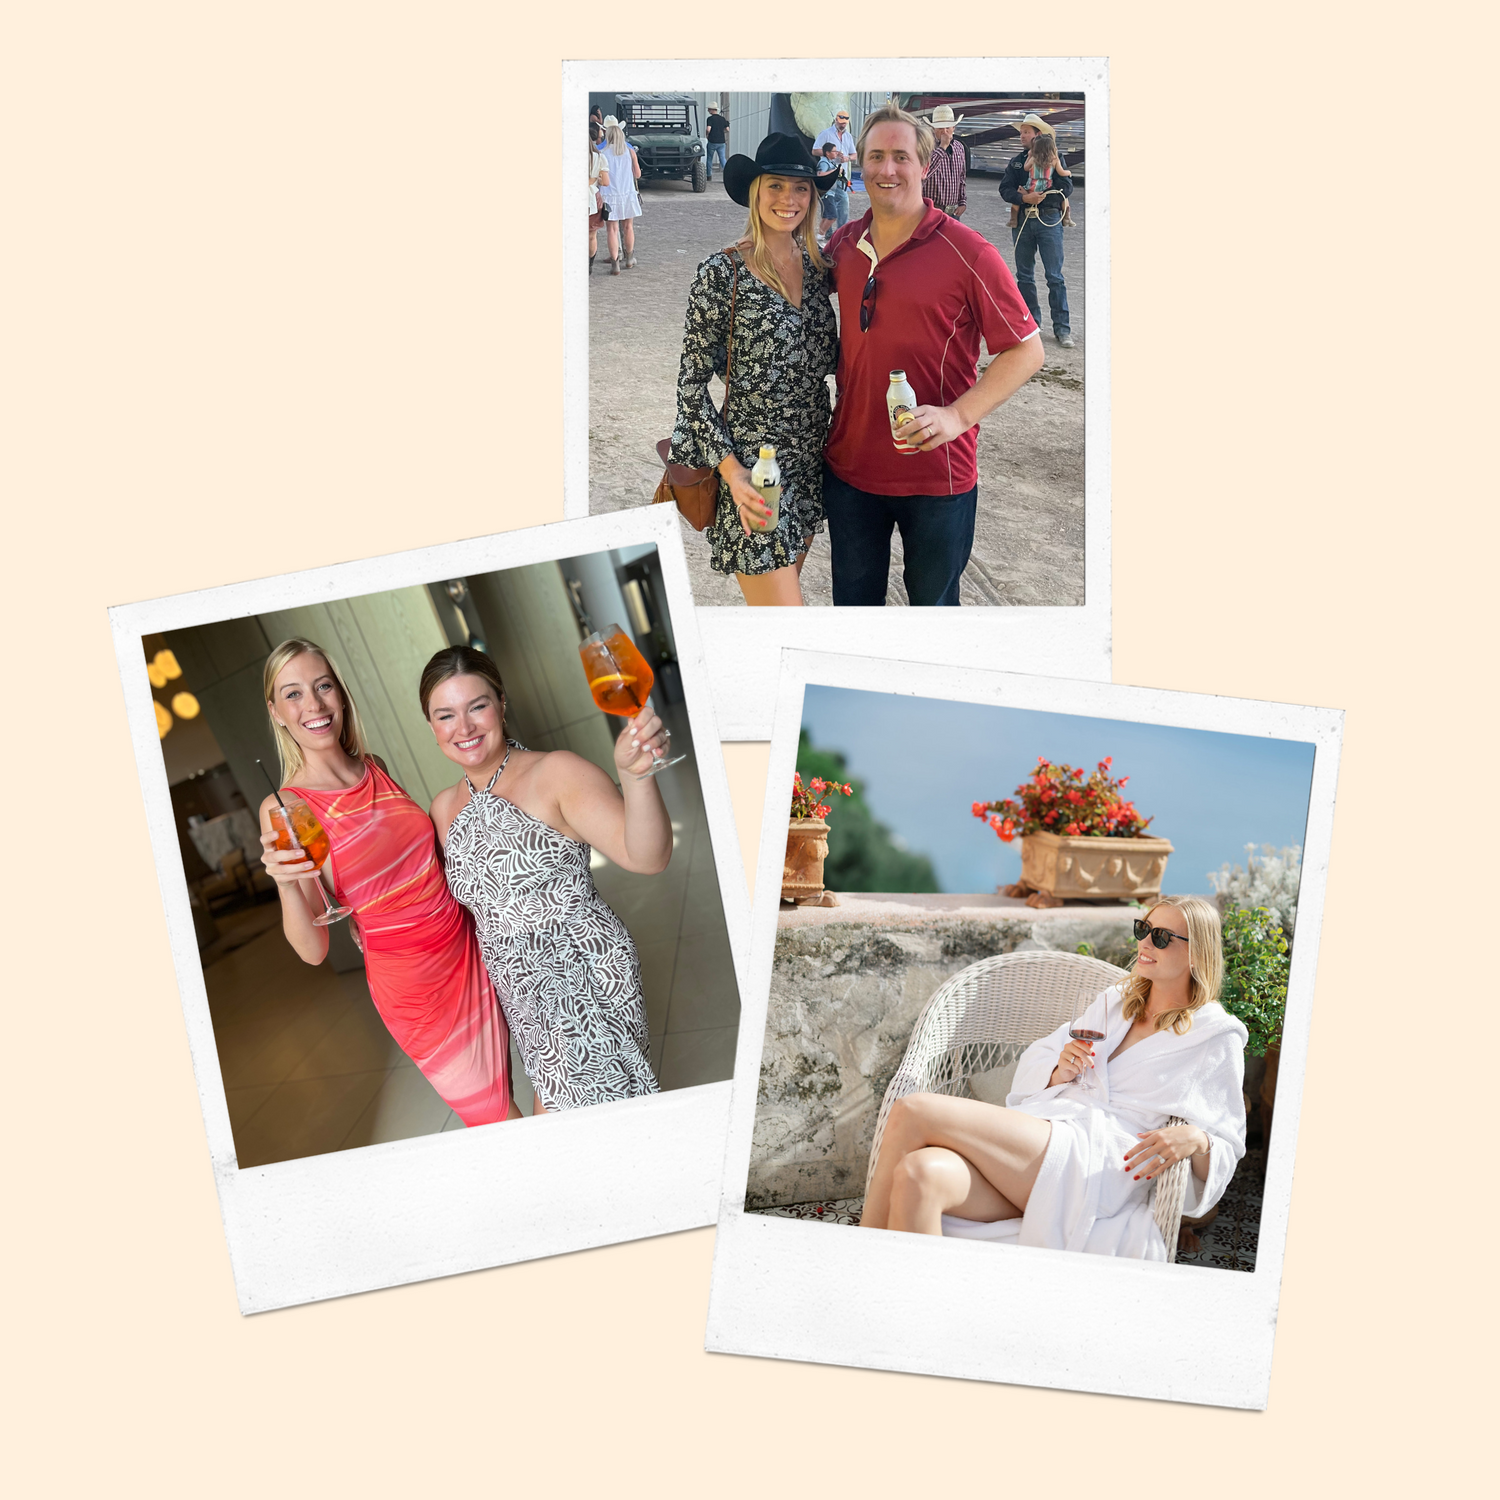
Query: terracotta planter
[806, 849]
[1081, 868]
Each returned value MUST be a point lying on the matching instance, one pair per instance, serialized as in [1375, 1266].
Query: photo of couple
[834, 373]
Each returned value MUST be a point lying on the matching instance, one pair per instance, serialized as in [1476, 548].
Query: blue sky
[925, 760]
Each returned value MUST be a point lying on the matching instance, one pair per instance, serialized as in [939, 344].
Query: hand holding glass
[621, 681]
[297, 827]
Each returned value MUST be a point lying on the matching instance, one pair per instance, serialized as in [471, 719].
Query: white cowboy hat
[944, 116]
[1035, 121]
[610, 120]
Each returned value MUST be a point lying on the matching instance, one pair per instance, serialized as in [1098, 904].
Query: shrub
[1256, 967]
[1271, 882]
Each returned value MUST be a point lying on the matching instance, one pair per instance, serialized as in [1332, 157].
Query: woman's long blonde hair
[1205, 966]
[759, 257]
[616, 138]
[351, 737]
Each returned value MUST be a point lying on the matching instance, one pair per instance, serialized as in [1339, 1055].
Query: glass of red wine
[1082, 1029]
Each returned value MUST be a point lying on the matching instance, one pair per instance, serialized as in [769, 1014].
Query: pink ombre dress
[422, 959]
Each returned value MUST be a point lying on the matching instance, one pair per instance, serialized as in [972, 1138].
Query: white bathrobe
[1083, 1198]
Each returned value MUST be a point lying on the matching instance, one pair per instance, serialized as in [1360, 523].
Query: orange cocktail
[619, 677]
[297, 827]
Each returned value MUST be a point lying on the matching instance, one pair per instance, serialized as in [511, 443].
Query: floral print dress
[778, 395]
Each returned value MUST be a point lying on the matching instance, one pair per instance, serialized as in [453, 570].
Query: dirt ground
[1028, 539]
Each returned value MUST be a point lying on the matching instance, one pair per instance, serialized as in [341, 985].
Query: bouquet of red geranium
[806, 801]
[1060, 799]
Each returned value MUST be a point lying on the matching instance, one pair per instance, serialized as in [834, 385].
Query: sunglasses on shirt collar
[1161, 937]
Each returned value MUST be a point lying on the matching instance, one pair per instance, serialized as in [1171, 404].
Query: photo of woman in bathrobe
[1069, 1161]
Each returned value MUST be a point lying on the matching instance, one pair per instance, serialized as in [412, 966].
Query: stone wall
[847, 985]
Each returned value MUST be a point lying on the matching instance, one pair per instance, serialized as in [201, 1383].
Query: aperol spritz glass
[297, 827]
[620, 680]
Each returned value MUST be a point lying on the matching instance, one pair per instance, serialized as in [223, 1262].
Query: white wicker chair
[986, 1016]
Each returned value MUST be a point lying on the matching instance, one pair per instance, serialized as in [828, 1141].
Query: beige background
[282, 288]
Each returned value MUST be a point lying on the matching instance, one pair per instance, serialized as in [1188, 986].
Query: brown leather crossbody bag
[695, 492]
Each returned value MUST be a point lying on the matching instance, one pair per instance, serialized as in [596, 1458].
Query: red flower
[822, 810]
[848, 790]
[1051, 816]
[1073, 828]
[1075, 797]
[817, 783]
[979, 809]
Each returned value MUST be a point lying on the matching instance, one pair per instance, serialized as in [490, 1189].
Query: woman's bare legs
[1004, 1147]
[934, 1181]
[627, 233]
[779, 586]
[612, 232]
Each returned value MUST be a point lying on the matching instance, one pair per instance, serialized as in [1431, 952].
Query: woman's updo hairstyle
[1205, 965]
[460, 661]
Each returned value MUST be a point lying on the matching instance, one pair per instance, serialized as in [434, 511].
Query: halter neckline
[490, 786]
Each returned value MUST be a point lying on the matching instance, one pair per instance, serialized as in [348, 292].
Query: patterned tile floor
[1228, 1243]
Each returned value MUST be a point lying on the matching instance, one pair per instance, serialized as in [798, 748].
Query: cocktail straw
[274, 792]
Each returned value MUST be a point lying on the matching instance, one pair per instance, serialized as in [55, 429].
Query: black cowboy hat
[776, 156]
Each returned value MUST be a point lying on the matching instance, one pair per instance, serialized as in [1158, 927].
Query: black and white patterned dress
[563, 965]
[778, 394]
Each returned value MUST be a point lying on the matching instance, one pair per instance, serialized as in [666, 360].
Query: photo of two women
[446, 854]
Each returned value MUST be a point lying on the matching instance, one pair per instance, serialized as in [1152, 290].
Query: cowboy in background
[1039, 193]
[946, 182]
[837, 135]
[718, 138]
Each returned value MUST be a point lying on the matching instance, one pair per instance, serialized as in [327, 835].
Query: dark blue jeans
[1035, 237]
[715, 149]
[937, 535]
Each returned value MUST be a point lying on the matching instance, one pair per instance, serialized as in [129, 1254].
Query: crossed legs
[940, 1155]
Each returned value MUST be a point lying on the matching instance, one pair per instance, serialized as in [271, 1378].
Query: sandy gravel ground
[1028, 543]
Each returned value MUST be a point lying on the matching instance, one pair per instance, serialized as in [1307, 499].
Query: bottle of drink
[899, 400]
[766, 477]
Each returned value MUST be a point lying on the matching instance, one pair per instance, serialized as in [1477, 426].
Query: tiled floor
[309, 1067]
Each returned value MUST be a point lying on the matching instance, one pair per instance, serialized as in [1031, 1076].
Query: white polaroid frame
[435, 1205]
[742, 644]
[788, 1289]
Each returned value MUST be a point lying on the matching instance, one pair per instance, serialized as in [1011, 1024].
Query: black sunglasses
[867, 304]
[1161, 937]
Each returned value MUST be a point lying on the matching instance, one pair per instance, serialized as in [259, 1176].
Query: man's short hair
[893, 114]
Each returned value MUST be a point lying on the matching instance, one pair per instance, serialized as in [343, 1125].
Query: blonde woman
[1069, 1162]
[763, 303]
[620, 194]
[422, 959]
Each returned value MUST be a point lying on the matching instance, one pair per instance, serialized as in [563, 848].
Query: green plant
[1061, 799]
[1271, 881]
[863, 854]
[1256, 967]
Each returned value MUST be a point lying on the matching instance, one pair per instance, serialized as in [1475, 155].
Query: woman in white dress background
[1069, 1161]
[619, 192]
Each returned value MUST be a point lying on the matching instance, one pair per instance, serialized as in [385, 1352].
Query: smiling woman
[1069, 1163]
[422, 961]
[518, 855]
[759, 314]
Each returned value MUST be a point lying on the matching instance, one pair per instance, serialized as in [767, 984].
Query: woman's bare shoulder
[446, 806]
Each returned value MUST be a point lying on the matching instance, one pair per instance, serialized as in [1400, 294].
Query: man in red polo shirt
[917, 290]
